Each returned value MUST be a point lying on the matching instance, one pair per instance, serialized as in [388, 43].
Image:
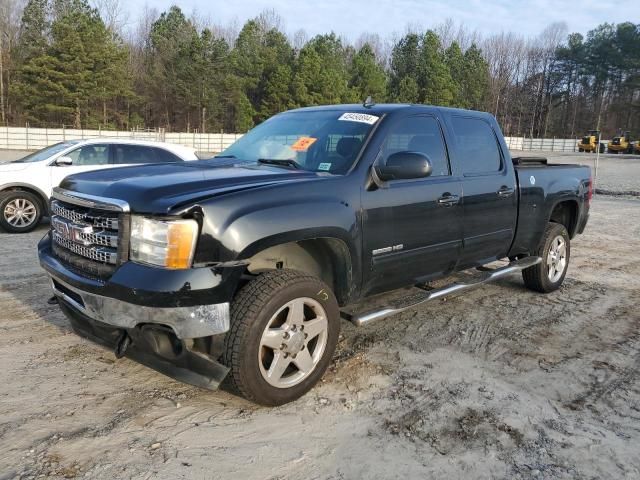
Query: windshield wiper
[284, 163]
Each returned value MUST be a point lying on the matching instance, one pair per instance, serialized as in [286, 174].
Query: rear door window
[477, 146]
[166, 156]
[134, 154]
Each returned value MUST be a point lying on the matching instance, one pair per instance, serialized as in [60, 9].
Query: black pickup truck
[240, 267]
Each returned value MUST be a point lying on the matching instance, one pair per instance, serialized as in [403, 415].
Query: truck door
[413, 228]
[489, 186]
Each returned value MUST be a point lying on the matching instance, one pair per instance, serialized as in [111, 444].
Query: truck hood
[160, 188]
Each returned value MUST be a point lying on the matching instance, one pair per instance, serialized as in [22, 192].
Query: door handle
[448, 200]
[505, 192]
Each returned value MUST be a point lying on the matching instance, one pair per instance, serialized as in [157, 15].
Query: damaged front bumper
[154, 347]
[171, 321]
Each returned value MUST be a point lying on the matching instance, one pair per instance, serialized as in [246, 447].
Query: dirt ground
[498, 383]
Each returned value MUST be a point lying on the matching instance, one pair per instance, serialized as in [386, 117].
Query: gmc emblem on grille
[61, 227]
[71, 231]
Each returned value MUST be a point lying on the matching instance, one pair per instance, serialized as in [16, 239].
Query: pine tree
[368, 77]
[455, 61]
[321, 75]
[475, 79]
[403, 77]
[435, 82]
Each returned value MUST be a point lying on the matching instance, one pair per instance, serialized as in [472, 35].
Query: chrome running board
[402, 304]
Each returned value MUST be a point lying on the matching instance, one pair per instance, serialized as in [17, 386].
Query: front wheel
[20, 211]
[555, 250]
[284, 330]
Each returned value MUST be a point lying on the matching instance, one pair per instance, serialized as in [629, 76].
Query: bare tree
[10, 13]
[300, 38]
[376, 43]
[270, 19]
[113, 14]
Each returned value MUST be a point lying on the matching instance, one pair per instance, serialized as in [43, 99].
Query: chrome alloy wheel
[557, 258]
[20, 212]
[293, 342]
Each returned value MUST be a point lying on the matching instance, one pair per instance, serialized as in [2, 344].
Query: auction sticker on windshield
[359, 117]
[303, 144]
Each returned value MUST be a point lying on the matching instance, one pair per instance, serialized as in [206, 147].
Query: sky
[350, 18]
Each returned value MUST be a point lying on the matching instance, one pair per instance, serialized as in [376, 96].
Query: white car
[26, 184]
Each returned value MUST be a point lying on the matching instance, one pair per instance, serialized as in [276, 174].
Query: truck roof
[383, 108]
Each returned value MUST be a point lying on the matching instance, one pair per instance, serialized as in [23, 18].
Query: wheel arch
[17, 186]
[328, 258]
[566, 212]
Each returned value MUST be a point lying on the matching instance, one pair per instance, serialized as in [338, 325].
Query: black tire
[601, 148]
[251, 311]
[581, 150]
[9, 197]
[537, 277]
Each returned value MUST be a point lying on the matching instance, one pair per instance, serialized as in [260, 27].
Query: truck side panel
[541, 189]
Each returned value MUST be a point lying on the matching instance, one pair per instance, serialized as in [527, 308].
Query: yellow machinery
[620, 144]
[590, 142]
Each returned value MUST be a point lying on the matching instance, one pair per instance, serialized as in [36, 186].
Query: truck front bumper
[171, 321]
[186, 322]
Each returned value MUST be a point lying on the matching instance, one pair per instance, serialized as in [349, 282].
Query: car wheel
[20, 211]
[555, 250]
[284, 330]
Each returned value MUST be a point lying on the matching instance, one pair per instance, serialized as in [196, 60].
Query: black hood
[160, 188]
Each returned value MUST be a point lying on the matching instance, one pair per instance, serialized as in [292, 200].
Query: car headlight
[166, 243]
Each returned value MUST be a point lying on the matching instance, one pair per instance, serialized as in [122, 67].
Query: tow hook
[52, 301]
[122, 344]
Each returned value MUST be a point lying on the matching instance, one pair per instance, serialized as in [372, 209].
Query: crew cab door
[412, 228]
[489, 186]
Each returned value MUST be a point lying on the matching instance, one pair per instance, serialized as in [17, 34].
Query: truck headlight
[166, 243]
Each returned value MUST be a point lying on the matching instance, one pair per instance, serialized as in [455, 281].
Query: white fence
[23, 138]
[546, 144]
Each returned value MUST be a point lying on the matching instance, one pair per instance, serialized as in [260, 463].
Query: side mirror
[404, 166]
[64, 161]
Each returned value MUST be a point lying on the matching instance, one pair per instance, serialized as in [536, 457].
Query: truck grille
[89, 239]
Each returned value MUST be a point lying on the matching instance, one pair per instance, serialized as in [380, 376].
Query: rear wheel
[20, 211]
[284, 330]
[555, 251]
[581, 150]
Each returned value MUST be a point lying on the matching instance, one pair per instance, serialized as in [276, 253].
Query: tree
[321, 73]
[367, 76]
[434, 79]
[405, 57]
[475, 79]
[72, 76]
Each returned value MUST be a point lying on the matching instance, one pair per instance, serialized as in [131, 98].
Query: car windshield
[45, 153]
[319, 141]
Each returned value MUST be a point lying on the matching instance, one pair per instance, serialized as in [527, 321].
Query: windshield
[45, 153]
[320, 141]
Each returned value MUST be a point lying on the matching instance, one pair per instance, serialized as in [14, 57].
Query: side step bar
[412, 301]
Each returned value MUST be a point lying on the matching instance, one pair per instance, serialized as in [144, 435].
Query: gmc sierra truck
[240, 267]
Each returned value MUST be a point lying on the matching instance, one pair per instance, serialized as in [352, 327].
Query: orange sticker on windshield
[303, 144]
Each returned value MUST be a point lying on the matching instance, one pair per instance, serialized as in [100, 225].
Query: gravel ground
[499, 383]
